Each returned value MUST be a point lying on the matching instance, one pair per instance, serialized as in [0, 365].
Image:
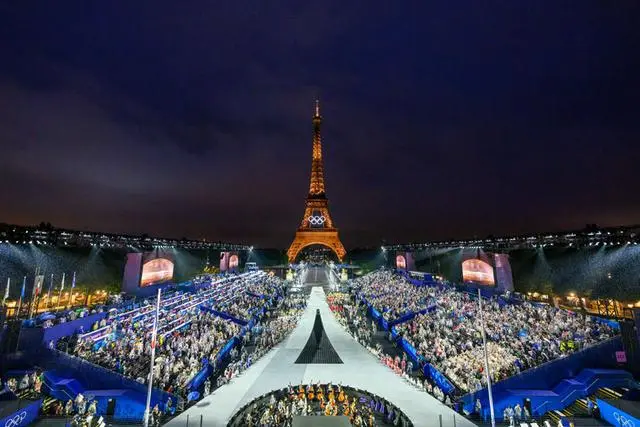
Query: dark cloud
[441, 120]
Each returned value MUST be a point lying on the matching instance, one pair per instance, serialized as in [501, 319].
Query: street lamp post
[486, 360]
[147, 411]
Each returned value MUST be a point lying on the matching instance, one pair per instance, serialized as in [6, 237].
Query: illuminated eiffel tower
[317, 227]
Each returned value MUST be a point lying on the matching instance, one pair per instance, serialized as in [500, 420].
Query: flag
[50, 287]
[37, 284]
[6, 291]
[24, 286]
[73, 281]
[62, 285]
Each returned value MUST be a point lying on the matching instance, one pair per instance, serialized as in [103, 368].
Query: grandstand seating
[551, 387]
[66, 376]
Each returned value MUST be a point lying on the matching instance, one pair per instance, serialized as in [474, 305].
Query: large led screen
[233, 262]
[477, 271]
[504, 277]
[224, 261]
[401, 262]
[156, 271]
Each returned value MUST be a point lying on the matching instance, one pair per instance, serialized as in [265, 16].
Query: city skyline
[439, 122]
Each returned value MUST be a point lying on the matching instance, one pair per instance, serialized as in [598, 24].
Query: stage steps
[47, 402]
[62, 389]
[607, 393]
[578, 409]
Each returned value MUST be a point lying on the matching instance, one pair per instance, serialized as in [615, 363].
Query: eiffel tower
[317, 226]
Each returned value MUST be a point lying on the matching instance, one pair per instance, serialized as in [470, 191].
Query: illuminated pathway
[360, 369]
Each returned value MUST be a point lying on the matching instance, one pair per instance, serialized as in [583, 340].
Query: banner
[616, 416]
[22, 417]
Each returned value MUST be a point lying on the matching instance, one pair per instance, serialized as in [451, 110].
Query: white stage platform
[360, 369]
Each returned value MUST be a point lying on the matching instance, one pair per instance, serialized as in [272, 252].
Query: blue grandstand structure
[546, 389]
[235, 300]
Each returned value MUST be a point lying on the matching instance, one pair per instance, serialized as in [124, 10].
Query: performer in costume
[330, 394]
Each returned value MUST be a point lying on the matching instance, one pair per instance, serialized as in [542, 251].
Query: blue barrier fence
[616, 416]
[256, 295]
[411, 315]
[22, 415]
[223, 315]
[34, 337]
[439, 379]
[198, 380]
[66, 329]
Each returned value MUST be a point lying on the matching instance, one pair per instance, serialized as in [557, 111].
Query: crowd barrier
[198, 380]
[384, 323]
[224, 315]
[439, 379]
[411, 315]
[67, 329]
[256, 295]
[617, 416]
[196, 383]
[23, 414]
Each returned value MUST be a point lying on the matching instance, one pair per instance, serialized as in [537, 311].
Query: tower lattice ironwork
[317, 227]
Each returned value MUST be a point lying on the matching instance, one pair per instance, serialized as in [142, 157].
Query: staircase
[579, 409]
[610, 393]
[47, 403]
[61, 388]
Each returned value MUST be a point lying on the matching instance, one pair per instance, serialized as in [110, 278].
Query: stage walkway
[359, 369]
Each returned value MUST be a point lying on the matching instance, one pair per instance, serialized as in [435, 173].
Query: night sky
[448, 119]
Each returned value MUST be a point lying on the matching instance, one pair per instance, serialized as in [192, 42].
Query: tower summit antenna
[317, 108]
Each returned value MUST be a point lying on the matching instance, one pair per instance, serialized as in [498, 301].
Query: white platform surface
[360, 369]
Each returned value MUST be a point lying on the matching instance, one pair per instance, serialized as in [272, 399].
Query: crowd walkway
[359, 369]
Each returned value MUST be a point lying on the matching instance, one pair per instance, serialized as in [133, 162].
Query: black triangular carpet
[318, 348]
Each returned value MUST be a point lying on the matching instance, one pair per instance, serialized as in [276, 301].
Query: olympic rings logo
[316, 220]
[17, 420]
[623, 421]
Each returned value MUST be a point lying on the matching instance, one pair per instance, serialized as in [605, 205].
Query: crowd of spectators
[391, 294]
[243, 306]
[520, 335]
[267, 333]
[354, 319]
[178, 356]
[189, 333]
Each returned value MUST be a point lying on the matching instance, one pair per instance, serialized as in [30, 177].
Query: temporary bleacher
[65, 376]
[552, 386]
